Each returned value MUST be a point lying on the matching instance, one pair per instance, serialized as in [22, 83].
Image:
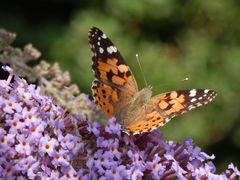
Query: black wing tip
[93, 30]
[204, 93]
[214, 92]
[93, 33]
[208, 94]
[210, 91]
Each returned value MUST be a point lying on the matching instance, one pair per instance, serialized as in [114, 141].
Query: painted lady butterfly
[116, 92]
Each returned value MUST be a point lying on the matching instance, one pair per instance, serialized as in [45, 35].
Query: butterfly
[116, 92]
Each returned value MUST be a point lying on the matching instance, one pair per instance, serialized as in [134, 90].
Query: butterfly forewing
[114, 84]
[108, 64]
[163, 107]
[178, 102]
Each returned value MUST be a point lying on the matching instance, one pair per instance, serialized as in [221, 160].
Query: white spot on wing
[114, 49]
[101, 50]
[183, 112]
[193, 100]
[191, 107]
[193, 93]
[206, 91]
[167, 120]
[199, 104]
[104, 36]
[111, 49]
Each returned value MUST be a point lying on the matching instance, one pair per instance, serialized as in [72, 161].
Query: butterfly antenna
[177, 81]
[145, 81]
[185, 79]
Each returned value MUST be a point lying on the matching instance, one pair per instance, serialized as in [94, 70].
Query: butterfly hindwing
[105, 97]
[163, 107]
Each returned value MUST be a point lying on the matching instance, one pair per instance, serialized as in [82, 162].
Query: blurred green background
[174, 39]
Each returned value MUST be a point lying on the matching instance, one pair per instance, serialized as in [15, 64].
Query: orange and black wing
[163, 107]
[114, 83]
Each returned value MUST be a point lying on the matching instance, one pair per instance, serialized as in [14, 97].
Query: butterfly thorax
[142, 97]
[135, 107]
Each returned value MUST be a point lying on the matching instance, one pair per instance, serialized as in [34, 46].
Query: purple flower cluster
[33, 137]
[116, 155]
[41, 140]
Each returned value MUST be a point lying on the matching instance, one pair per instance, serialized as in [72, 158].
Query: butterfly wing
[163, 107]
[114, 83]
